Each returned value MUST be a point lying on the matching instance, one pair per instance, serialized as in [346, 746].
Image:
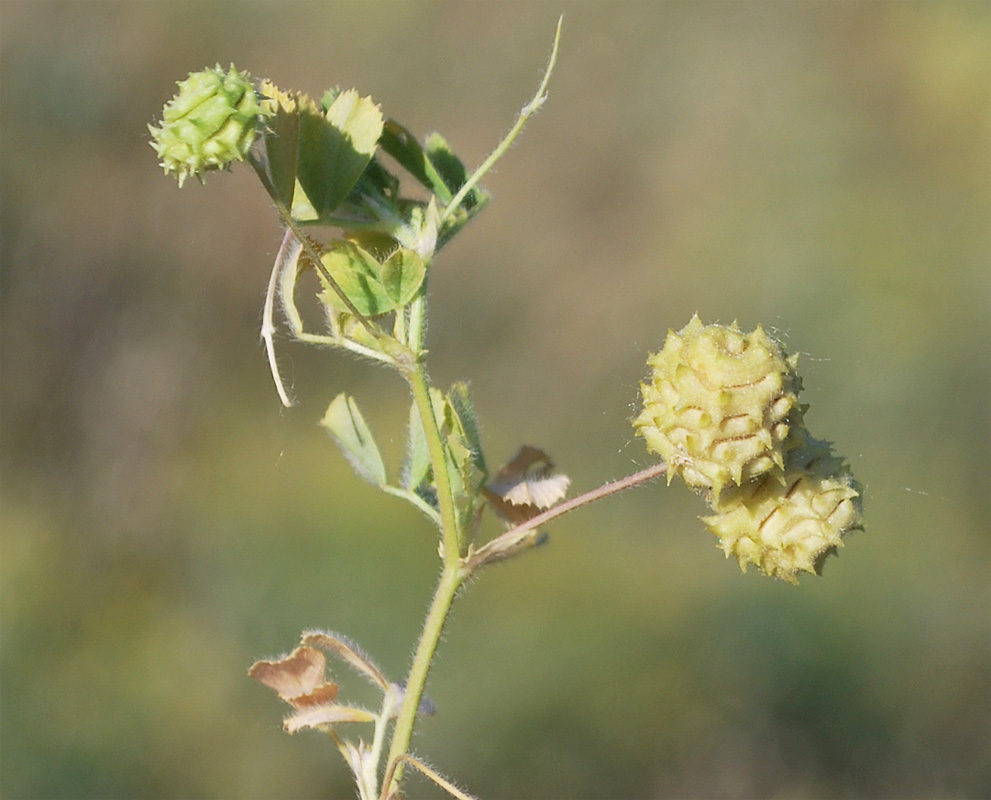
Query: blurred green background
[821, 168]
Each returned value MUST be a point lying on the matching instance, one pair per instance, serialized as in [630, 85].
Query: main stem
[416, 375]
[452, 574]
[455, 570]
[451, 579]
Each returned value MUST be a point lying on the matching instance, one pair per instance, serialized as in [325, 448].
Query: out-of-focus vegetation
[822, 168]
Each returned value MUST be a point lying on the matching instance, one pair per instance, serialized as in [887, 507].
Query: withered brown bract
[297, 678]
[525, 486]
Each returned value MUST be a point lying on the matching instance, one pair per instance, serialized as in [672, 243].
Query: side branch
[508, 541]
[525, 114]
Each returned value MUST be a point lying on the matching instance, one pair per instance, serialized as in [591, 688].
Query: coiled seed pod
[211, 122]
[719, 405]
[789, 522]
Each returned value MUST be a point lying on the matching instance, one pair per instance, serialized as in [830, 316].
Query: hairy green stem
[455, 570]
[527, 111]
[369, 775]
[451, 579]
[419, 384]
[435, 776]
[452, 574]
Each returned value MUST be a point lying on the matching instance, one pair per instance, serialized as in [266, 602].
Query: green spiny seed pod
[211, 122]
[789, 522]
[719, 405]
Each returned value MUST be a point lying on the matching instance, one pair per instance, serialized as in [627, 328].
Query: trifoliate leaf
[358, 274]
[347, 427]
[373, 287]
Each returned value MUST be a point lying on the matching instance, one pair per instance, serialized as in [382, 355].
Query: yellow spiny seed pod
[211, 122]
[789, 522]
[719, 405]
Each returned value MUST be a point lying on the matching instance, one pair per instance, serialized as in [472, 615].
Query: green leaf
[459, 460]
[334, 149]
[373, 287]
[358, 273]
[346, 426]
[402, 145]
[377, 180]
[453, 171]
[450, 166]
[281, 146]
[466, 478]
[329, 96]
[446, 163]
[359, 119]
[302, 209]
[416, 466]
[461, 403]
[402, 275]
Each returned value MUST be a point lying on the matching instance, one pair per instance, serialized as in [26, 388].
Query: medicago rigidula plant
[719, 407]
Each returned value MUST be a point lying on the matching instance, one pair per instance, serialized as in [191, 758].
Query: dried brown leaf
[297, 678]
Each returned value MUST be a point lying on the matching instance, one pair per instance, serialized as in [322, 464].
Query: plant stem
[451, 579]
[452, 574]
[435, 776]
[504, 544]
[369, 776]
[527, 111]
[416, 375]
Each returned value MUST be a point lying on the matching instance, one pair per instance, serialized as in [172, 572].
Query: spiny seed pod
[719, 405]
[211, 122]
[789, 522]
